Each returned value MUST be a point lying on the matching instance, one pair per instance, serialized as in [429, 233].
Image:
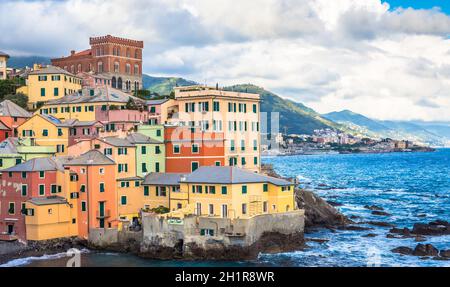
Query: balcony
[103, 215]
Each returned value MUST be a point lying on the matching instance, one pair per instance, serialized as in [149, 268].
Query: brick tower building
[117, 59]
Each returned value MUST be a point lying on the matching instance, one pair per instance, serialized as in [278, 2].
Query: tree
[19, 99]
[131, 105]
[143, 94]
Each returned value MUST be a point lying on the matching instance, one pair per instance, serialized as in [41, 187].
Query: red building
[189, 148]
[13, 116]
[5, 132]
[34, 178]
[114, 58]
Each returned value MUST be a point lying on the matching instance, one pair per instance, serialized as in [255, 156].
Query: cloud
[331, 55]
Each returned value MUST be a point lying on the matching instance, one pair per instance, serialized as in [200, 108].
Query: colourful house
[230, 192]
[150, 154]
[190, 148]
[93, 179]
[48, 84]
[79, 130]
[235, 114]
[36, 178]
[5, 132]
[3, 65]
[163, 189]
[103, 104]
[130, 201]
[14, 151]
[13, 116]
[160, 111]
[46, 130]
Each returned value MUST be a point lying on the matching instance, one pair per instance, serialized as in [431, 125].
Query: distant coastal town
[329, 141]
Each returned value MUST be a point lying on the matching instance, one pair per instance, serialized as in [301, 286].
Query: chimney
[72, 52]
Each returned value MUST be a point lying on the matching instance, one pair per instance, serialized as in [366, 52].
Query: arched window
[119, 83]
[72, 69]
[90, 67]
[118, 51]
[113, 82]
[128, 69]
[116, 67]
[79, 68]
[136, 85]
[100, 67]
[136, 54]
[136, 69]
[128, 53]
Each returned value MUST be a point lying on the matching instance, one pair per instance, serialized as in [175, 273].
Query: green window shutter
[224, 190]
[45, 133]
[254, 108]
[146, 191]
[123, 200]
[41, 174]
[24, 190]
[157, 167]
[144, 167]
[144, 150]
[243, 162]
[265, 187]
[255, 160]
[212, 189]
[56, 92]
[244, 189]
[42, 92]
[202, 232]
[83, 206]
[158, 133]
[83, 188]
[53, 189]
[176, 149]
[102, 187]
[18, 161]
[41, 190]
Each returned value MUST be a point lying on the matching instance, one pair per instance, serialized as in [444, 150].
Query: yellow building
[49, 83]
[3, 65]
[49, 218]
[163, 189]
[130, 200]
[46, 131]
[94, 104]
[235, 114]
[223, 192]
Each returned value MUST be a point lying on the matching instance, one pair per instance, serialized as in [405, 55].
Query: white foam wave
[27, 260]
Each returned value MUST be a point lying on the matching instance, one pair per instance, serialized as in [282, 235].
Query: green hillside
[163, 85]
[295, 117]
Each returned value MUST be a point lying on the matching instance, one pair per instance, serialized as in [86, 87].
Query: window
[55, 92]
[83, 206]
[123, 200]
[53, 189]
[102, 187]
[265, 206]
[152, 110]
[216, 106]
[125, 184]
[255, 160]
[157, 167]
[24, 174]
[128, 69]
[60, 148]
[100, 67]
[212, 189]
[116, 67]
[143, 149]
[12, 208]
[83, 188]
[232, 145]
[242, 145]
[203, 106]
[144, 167]
[107, 151]
[176, 149]
[255, 109]
[194, 166]
[255, 145]
[217, 163]
[41, 174]
[158, 133]
[18, 161]
[244, 189]
[41, 190]
[157, 149]
[60, 132]
[195, 148]
[42, 78]
[244, 208]
[265, 187]
[243, 162]
[161, 191]
[224, 190]
[136, 69]
[211, 209]
[24, 190]
[137, 183]
[146, 191]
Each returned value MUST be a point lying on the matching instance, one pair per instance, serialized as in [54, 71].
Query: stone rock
[318, 240]
[355, 228]
[380, 223]
[425, 250]
[403, 250]
[404, 231]
[381, 213]
[421, 215]
[420, 238]
[435, 228]
[444, 253]
[334, 203]
[370, 235]
[373, 207]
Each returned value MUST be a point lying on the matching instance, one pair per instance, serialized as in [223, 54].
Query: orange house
[189, 148]
[94, 176]
[13, 116]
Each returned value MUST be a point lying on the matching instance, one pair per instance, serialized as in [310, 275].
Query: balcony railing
[105, 214]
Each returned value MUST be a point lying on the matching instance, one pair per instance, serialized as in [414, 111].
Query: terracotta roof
[10, 109]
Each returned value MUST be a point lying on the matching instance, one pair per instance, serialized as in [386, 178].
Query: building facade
[115, 58]
[235, 114]
[3, 65]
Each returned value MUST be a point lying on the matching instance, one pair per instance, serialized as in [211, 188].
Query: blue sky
[421, 4]
[328, 54]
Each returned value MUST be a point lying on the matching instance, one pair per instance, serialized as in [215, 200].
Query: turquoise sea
[407, 185]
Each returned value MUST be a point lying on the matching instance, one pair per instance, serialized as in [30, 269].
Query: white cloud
[331, 55]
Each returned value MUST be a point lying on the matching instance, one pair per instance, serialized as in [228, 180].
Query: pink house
[121, 119]
[81, 130]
